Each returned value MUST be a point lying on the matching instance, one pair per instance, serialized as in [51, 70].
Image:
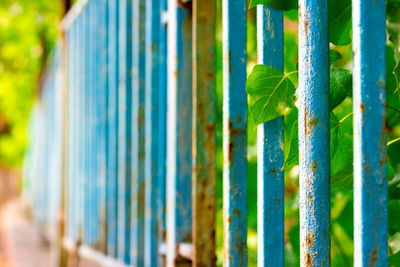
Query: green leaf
[394, 260]
[270, 93]
[277, 4]
[393, 216]
[340, 86]
[340, 22]
[334, 56]
[291, 138]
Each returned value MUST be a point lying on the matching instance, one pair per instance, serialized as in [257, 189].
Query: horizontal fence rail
[124, 135]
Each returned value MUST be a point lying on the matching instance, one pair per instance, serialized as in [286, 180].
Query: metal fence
[124, 134]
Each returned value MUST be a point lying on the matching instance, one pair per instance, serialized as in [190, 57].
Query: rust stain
[273, 170]
[185, 4]
[237, 212]
[310, 240]
[306, 26]
[313, 122]
[314, 165]
[308, 259]
[374, 256]
[362, 107]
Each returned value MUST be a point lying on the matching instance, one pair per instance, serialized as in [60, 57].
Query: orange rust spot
[310, 197]
[237, 212]
[373, 257]
[314, 165]
[306, 26]
[310, 240]
[210, 128]
[313, 121]
[362, 107]
[381, 162]
[308, 259]
[230, 151]
[273, 170]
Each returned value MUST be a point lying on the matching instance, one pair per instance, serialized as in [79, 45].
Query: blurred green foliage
[28, 30]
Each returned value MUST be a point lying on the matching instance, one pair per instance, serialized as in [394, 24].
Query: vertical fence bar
[370, 170]
[314, 133]
[234, 132]
[270, 234]
[179, 132]
[103, 122]
[80, 133]
[97, 141]
[86, 125]
[91, 117]
[125, 130]
[155, 119]
[70, 40]
[112, 128]
[138, 128]
[204, 125]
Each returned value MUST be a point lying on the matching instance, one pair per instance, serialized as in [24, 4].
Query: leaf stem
[393, 141]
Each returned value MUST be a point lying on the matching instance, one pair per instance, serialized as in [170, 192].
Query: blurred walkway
[20, 242]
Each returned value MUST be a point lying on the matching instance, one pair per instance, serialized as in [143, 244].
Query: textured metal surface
[204, 125]
[369, 98]
[138, 127]
[155, 134]
[270, 231]
[179, 131]
[313, 104]
[112, 125]
[124, 130]
[234, 133]
[102, 123]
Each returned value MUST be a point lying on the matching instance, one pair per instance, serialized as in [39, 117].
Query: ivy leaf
[277, 4]
[393, 214]
[340, 22]
[334, 56]
[341, 84]
[291, 138]
[270, 93]
[394, 260]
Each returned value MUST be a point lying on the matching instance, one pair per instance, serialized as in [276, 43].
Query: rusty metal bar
[179, 131]
[313, 104]
[270, 149]
[138, 127]
[369, 99]
[155, 134]
[234, 133]
[204, 125]
[112, 128]
[125, 131]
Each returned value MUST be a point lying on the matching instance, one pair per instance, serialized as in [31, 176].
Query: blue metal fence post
[125, 130]
[369, 99]
[80, 133]
[138, 128]
[112, 128]
[179, 131]
[270, 149]
[155, 143]
[86, 105]
[234, 133]
[313, 104]
[204, 125]
[102, 124]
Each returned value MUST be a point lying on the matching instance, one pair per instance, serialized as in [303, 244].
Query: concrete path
[20, 241]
